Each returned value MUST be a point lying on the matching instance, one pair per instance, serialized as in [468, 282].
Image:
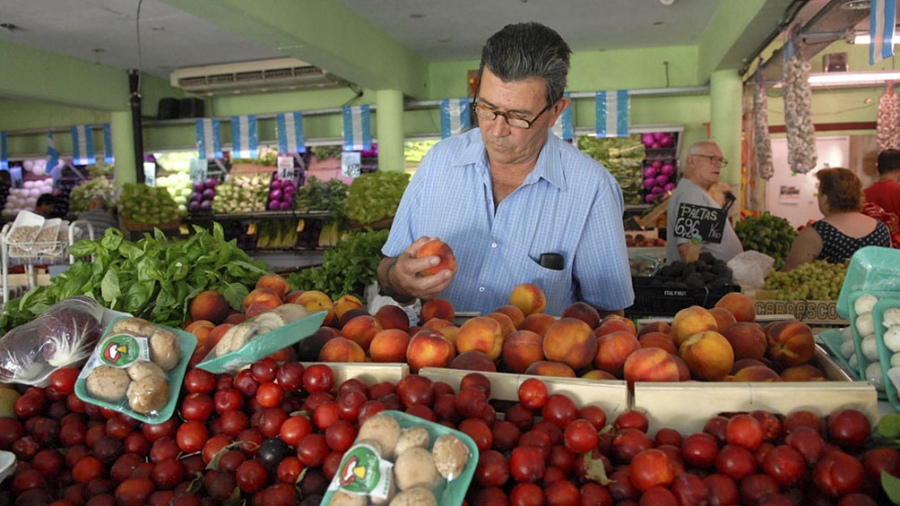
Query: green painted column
[389, 128]
[123, 146]
[725, 107]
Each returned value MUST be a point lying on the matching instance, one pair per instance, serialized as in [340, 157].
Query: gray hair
[524, 50]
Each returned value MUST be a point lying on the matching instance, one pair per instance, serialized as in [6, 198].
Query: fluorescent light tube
[851, 78]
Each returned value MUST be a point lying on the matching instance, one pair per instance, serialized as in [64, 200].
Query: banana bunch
[280, 233]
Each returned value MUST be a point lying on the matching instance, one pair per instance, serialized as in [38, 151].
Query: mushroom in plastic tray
[137, 369]
[403, 460]
[64, 334]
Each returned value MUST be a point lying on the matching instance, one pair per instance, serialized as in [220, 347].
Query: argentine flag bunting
[107, 145]
[454, 116]
[244, 143]
[357, 131]
[881, 30]
[612, 113]
[4, 157]
[563, 126]
[83, 145]
[209, 141]
[290, 133]
[52, 154]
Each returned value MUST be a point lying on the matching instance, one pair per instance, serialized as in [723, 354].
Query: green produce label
[707, 223]
[364, 472]
[122, 350]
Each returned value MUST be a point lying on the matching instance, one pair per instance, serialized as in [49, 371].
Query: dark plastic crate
[663, 301]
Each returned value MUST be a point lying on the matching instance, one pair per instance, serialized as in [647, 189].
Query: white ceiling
[106, 31]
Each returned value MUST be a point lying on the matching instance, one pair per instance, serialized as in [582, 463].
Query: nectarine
[341, 349]
[389, 345]
[741, 306]
[521, 349]
[570, 341]
[708, 355]
[209, 305]
[691, 320]
[651, 364]
[481, 333]
[428, 348]
[613, 349]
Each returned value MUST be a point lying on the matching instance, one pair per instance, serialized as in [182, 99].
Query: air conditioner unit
[253, 77]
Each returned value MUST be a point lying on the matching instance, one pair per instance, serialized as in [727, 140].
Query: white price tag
[150, 173]
[198, 169]
[286, 169]
[350, 164]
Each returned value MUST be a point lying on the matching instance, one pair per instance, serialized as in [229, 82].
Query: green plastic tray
[872, 268]
[832, 341]
[450, 493]
[265, 345]
[884, 354]
[186, 341]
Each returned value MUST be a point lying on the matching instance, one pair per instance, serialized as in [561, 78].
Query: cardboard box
[610, 395]
[686, 407]
[367, 373]
[813, 312]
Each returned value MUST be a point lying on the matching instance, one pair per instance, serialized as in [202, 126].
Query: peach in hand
[440, 249]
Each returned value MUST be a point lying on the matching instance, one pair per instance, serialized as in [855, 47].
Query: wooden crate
[612, 396]
[687, 406]
[366, 372]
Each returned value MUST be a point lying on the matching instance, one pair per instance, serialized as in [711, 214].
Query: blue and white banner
[52, 154]
[107, 145]
[881, 30]
[612, 113]
[290, 133]
[244, 142]
[357, 131]
[209, 140]
[4, 157]
[454, 116]
[563, 126]
[82, 145]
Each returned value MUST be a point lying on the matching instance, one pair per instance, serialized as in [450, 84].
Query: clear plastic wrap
[65, 334]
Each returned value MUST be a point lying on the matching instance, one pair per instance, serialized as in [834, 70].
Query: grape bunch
[816, 280]
[767, 234]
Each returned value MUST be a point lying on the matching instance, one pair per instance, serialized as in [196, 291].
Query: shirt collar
[548, 167]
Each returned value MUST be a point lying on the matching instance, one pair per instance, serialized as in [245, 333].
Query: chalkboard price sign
[707, 223]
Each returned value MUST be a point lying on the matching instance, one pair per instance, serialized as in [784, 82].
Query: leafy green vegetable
[375, 196]
[767, 234]
[154, 278]
[149, 205]
[348, 268]
[329, 196]
[891, 486]
[623, 157]
[325, 152]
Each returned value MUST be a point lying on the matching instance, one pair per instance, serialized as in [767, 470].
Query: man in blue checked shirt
[514, 202]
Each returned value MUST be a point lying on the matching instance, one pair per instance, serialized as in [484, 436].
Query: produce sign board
[686, 407]
[265, 345]
[813, 312]
[707, 223]
[611, 395]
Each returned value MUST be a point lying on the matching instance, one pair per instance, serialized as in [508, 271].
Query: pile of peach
[722, 343]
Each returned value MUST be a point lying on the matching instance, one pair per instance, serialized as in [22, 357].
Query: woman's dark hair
[524, 50]
[843, 189]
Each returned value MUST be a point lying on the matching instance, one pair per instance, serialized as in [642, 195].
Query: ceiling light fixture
[852, 78]
[856, 5]
[865, 38]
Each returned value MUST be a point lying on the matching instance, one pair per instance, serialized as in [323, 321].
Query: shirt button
[493, 245]
[481, 289]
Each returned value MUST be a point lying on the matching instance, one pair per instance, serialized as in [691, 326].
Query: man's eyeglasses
[715, 159]
[486, 113]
